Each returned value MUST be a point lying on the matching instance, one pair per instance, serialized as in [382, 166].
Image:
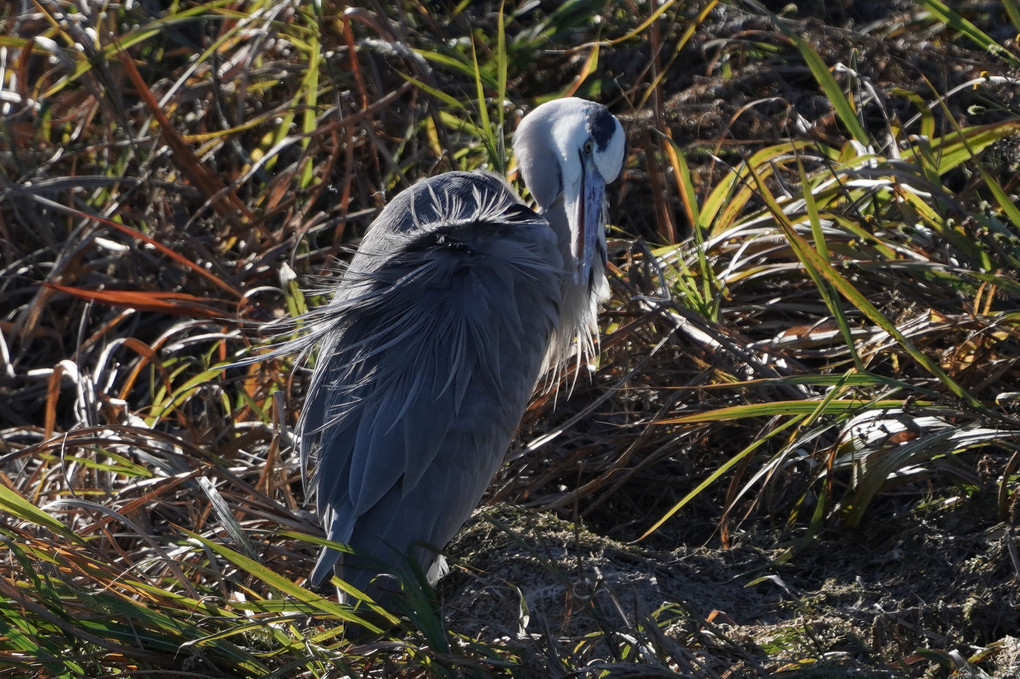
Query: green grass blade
[1013, 12]
[1006, 203]
[12, 503]
[712, 478]
[488, 136]
[809, 255]
[730, 196]
[807, 407]
[960, 146]
[458, 65]
[278, 582]
[842, 105]
[440, 96]
[946, 15]
[310, 94]
[685, 184]
[828, 294]
[502, 65]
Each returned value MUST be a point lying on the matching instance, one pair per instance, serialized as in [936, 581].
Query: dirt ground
[850, 604]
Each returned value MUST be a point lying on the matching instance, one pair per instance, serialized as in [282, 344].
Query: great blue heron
[457, 298]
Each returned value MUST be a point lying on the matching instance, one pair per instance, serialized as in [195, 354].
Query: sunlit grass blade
[682, 42]
[271, 578]
[685, 185]
[836, 406]
[310, 96]
[729, 198]
[1006, 204]
[502, 67]
[828, 294]
[440, 96]
[660, 10]
[841, 103]
[962, 145]
[14, 504]
[723, 469]
[470, 69]
[487, 135]
[960, 24]
[809, 255]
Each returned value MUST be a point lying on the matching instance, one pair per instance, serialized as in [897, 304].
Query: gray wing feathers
[438, 334]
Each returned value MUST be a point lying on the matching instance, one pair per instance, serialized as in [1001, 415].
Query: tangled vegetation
[798, 453]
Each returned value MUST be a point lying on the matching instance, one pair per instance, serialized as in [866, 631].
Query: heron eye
[589, 146]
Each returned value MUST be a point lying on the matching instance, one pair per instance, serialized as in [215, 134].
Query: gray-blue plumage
[459, 296]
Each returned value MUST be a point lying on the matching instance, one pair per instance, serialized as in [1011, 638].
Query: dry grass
[815, 303]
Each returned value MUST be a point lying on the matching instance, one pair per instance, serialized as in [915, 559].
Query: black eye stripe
[601, 126]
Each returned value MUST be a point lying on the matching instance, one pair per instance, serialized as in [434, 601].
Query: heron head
[568, 150]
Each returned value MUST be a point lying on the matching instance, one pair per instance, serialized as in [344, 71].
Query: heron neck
[556, 215]
[577, 330]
